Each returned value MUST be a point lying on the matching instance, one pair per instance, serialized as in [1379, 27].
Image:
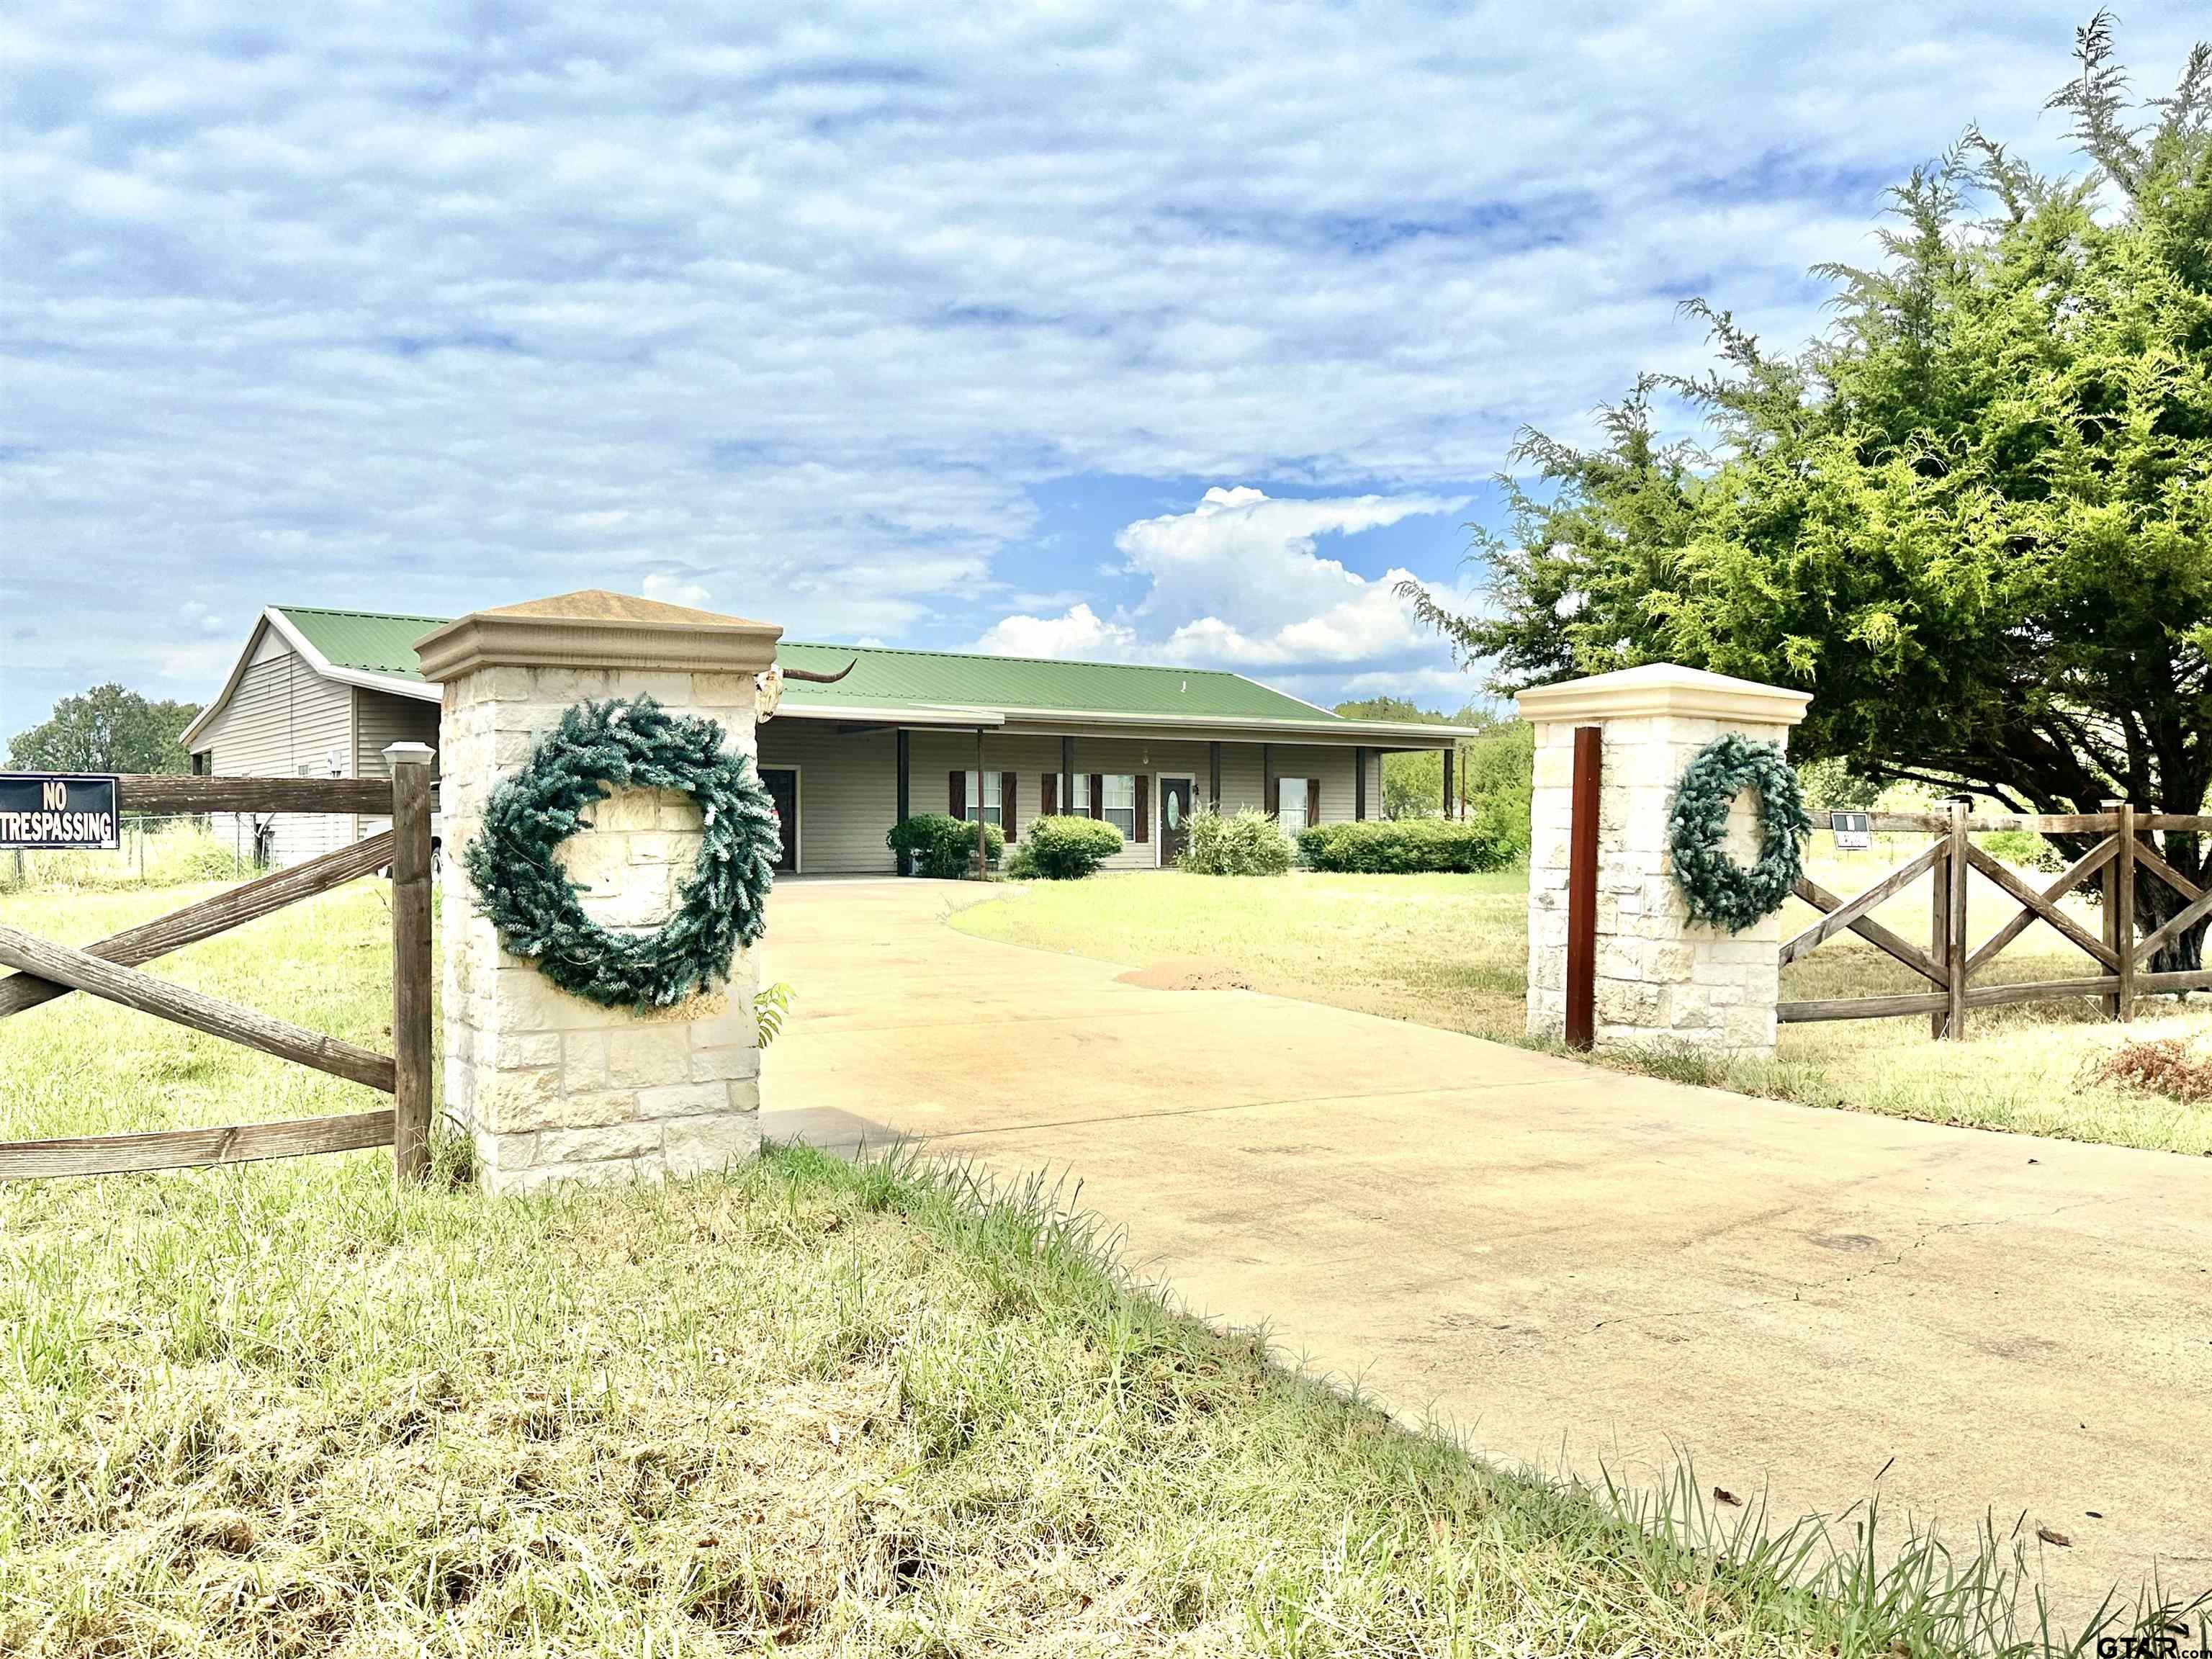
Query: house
[320, 693]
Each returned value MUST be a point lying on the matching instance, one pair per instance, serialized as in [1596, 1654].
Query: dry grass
[2164, 1065]
[808, 1407]
[1451, 951]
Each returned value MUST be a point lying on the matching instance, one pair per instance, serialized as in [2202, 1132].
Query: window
[993, 807]
[1290, 797]
[1121, 803]
[1079, 800]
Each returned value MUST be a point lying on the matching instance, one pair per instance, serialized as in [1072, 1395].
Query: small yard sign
[46, 811]
[1854, 831]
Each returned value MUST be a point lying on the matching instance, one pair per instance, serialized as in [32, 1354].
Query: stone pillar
[1660, 979]
[550, 1086]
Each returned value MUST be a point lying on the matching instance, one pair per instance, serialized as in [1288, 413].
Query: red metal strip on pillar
[1582, 892]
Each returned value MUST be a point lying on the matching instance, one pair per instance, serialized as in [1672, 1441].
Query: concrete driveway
[1569, 1265]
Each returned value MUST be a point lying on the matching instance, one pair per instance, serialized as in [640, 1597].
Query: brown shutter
[1097, 794]
[1048, 793]
[1143, 807]
[959, 794]
[1006, 802]
[1313, 802]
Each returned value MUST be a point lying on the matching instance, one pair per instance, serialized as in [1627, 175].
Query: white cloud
[1078, 633]
[1236, 581]
[674, 590]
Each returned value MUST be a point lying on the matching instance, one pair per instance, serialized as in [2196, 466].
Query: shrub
[1068, 848]
[1249, 844]
[1407, 846]
[2023, 848]
[942, 848]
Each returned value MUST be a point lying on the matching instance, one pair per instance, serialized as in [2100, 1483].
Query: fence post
[2124, 909]
[1582, 887]
[1939, 932]
[1954, 964]
[2109, 911]
[411, 957]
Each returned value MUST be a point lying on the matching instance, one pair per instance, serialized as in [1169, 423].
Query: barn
[320, 693]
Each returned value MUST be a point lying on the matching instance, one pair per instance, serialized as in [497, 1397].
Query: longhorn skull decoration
[768, 687]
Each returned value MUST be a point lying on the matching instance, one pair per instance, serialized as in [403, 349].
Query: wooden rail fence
[109, 968]
[1949, 965]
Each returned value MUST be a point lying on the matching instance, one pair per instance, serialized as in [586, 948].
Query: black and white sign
[1854, 831]
[48, 810]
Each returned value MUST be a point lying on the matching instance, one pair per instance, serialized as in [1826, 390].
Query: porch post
[982, 824]
[1449, 753]
[1213, 775]
[1359, 785]
[905, 792]
[1068, 775]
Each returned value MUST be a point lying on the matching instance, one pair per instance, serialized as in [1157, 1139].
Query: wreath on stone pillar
[1719, 890]
[532, 901]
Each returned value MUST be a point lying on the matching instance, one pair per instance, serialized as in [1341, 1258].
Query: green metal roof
[372, 640]
[886, 678]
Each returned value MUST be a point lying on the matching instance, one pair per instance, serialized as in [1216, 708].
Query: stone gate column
[551, 1086]
[1661, 979]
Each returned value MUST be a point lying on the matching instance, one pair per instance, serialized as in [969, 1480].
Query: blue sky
[1123, 332]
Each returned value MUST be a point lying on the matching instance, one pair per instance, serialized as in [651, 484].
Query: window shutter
[959, 794]
[1006, 804]
[1143, 807]
[1313, 802]
[1097, 794]
[1048, 793]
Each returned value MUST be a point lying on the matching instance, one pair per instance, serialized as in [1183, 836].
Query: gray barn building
[319, 693]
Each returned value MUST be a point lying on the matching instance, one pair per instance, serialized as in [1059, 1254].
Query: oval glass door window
[1175, 811]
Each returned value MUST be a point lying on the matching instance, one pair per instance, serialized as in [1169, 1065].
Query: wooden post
[411, 1048]
[2110, 917]
[1954, 961]
[2124, 909]
[1068, 775]
[1213, 775]
[1582, 890]
[903, 748]
[1939, 931]
[1359, 785]
[1453, 749]
[982, 829]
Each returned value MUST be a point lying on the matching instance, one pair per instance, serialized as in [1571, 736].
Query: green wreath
[633, 745]
[1719, 890]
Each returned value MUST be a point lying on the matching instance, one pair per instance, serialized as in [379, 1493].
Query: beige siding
[381, 720]
[848, 793]
[285, 716]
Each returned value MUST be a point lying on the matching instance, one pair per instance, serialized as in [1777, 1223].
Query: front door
[782, 785]
[1176, 795]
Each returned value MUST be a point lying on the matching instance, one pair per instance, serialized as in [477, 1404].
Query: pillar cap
[1663, 688]
[594, 628]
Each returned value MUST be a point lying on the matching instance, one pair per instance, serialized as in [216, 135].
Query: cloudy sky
[1108, 331]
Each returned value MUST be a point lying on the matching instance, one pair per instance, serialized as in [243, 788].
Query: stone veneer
[550, 1086]
[1659, 978]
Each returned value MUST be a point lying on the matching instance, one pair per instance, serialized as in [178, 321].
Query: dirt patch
[1189, 974]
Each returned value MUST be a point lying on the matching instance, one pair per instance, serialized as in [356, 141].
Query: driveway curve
[1574, 1268]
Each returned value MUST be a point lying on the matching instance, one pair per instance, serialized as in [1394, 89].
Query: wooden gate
[108, 969]
[1949, 966]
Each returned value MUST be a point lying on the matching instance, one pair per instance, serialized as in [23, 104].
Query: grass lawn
[806, 1407]
[1452, 951]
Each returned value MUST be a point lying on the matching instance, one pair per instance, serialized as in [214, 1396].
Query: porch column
[1359, 785]
[1068, 775]
[1449, 753]
[905, 792]
[1213, 775]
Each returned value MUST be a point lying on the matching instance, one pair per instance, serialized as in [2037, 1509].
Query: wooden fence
[109, 968]
[1948, 964]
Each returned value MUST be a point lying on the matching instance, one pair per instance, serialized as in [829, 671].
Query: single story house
[320, 693]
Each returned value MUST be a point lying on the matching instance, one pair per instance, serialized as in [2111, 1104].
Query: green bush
[2023, 848]
[942, 848]
[1067, 848]
[1407, 847]
[1249, 844]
